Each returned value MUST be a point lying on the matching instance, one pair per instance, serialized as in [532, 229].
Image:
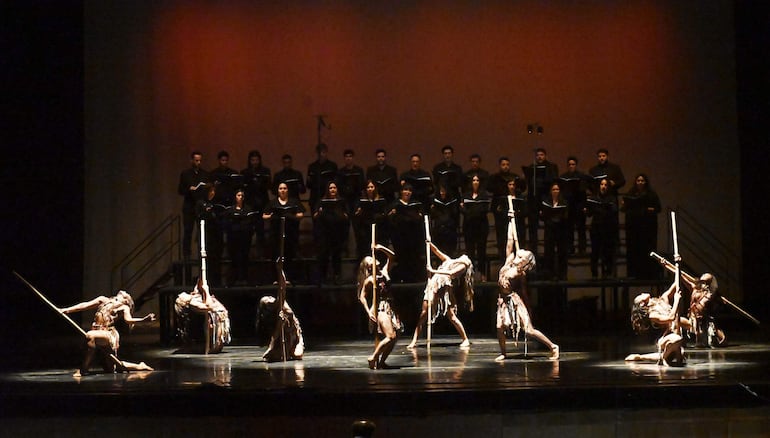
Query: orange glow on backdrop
[232, 75]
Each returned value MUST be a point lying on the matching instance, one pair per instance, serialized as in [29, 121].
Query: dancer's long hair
[640, 317]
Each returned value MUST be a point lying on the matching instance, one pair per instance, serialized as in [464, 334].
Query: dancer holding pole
[103, 335]
[382, 318]
[287, 330]
[512, 312]
[662, 312]
[441, 292]
[704, 300]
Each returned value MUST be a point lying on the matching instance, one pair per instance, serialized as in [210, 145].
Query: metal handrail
[704, 248]
[170, 227]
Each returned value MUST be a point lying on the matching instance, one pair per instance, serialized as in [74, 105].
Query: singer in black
[419, 179]
[290, 176]
[239, 219]
[445, 218]
[257, 180]
[502, 184]
[539, 176]
[408, 235]
[641, 206]
[555, 214]
[192, 186]
[331, 215]
[372, 209]
[350, 182]
[385, 176]
[449, 174]
[290, 208]
[602, 208]
[475, 207]
[213, 215]
[574, 184]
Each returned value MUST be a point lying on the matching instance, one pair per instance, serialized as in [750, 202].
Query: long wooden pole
[63, 315]
[427, 266]
[675, 324]
[374, 285]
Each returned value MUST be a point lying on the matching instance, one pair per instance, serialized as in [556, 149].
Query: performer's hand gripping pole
[63, 315]
[512, 215]
[428, 267]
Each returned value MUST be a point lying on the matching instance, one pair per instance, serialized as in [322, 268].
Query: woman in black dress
[331, 214]
[642, 206]
[290, 208]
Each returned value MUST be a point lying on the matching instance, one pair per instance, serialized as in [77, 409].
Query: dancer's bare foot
[633, 357]
[554, 353]
[144, 367]
[465, 344]
[411, 346]
[500, 358]
[372, 363]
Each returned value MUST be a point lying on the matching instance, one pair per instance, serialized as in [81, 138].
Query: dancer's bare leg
[459, 327]
[537, 334]
[501, 340]
[423, 318]
[386, 345]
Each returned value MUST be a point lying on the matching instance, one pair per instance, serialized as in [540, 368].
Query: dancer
[661, 313]
[276, 311]
[386, 320]
[292, 345]
[200, 301]
[704, 303]
[104, 336]
[512, 313]
[441, 292]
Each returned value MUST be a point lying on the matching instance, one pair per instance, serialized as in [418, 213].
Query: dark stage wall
[652, 81]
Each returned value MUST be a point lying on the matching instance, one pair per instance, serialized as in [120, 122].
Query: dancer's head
[524, 260]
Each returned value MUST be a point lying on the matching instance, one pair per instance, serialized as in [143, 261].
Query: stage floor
[333, 379]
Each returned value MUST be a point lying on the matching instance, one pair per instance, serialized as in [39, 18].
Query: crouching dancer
[217, 319]
[384, 317]
[286, 341]
[660, 313]
[104, 336]
[512, 313]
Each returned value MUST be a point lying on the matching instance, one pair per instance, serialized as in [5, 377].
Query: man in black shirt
[476, 170]
[420, 180]
[611, 170]
[385, 176]
[498, 187]
[192, 186]
[539, 176]
[226, 180]
[320, 173]
[292, 177]
[574, 184]
[257, 184]
[448, 174]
